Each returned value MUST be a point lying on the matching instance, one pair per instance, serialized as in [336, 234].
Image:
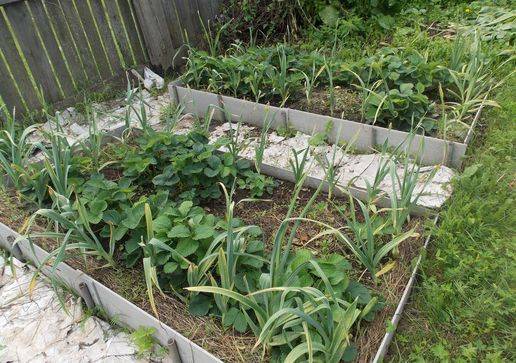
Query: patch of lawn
[463, 307]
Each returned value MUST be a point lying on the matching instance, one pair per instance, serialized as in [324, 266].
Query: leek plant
[322, 323]
[92, 145]
[311, 81]
[215, 81]
[235, 247]
[386, 158]
[329, 72]
[213, 41]
[58, 160]
[314, 323]
[72, 230]
[255, 81]
[171, 115]
[234, 78]
[405, 193]
[141, 112]
[15, 151]
[280, 79]
[262, 142]
[366, 244]
[149, 257]
[471, 83]
[128, 104]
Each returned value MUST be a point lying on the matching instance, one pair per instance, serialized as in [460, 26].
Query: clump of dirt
[347, 105]
[13, 211]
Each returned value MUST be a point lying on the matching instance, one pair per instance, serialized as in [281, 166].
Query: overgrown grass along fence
[51, 49]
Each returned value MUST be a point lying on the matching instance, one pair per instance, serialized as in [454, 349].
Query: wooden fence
[51, 49]
[168, 24]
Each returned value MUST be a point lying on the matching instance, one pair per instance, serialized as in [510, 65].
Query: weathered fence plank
[49, 42]
[19, 91]
[168, 24]
[51, 49]
[151, 16]
[24, 33]
[78, 36]
[68, 46]
[133, 30]
[94, 38]
[107, 41]
[8, 92]
[119, 35]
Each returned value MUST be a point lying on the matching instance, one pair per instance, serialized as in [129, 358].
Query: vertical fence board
[107, 42]
[50, 43]
[8, 92]
[120, 38]
[164, 24]
[19, 74]
[133, 30]
[154, 25]
[33, 51]
[79, 37]
[174, 24]
[66, 39]
[86, 20]
[189, 19]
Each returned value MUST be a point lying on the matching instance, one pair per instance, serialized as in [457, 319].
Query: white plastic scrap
[34, 327]
[152, 79]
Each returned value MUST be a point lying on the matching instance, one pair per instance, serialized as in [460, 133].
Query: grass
[464, 304]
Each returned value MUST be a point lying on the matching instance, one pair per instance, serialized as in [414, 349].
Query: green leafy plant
[365, 244]
[280, 79]
[15, 151]
[284, 314]
[311, 80]
[73, 231]
[472, 82]
[58, 160]
[170, 115]
[256, 183]
[143, 339]
[399, 107]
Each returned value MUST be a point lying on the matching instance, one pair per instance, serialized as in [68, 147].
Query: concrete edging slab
[431, 150]
[387, 338]
[125, 312]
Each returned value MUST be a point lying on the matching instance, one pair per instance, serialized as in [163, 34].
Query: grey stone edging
[434, 150]
[114, 305]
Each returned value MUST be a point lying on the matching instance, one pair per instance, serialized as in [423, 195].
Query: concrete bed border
[434, 151]
[94, 293]
[387, 338]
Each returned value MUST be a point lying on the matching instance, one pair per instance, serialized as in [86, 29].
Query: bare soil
[347, 103]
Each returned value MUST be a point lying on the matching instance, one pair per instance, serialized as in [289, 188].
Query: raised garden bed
[137, 180]
[120, 293]
[377, 98]
[430, 150]
[355, 173]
